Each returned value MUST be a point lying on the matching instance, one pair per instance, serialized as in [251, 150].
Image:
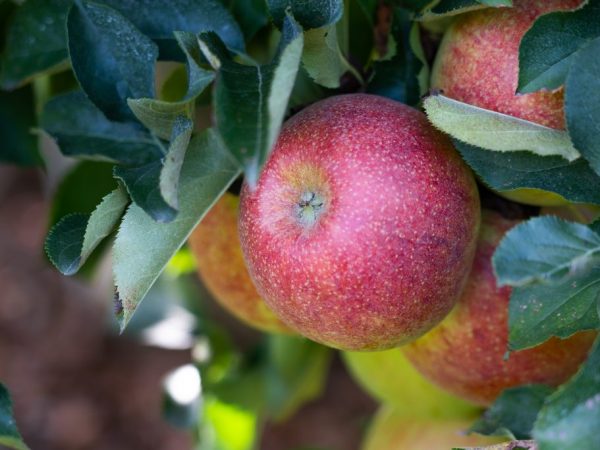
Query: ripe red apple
[465, 353]
[216, 246]
[478, 61]
[393, 430]
[362, 227]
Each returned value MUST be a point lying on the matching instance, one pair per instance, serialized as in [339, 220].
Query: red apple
[465, 353]
[216, 246]
[393, 430]
[478, 61]
[361, 230]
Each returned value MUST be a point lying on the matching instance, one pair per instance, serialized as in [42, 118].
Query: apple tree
[164, 109]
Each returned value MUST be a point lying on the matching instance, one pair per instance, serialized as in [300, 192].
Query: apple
[361, 230]
[465, 353]
[393, 430]
[216, 245]
[478, 62]
[391, 379]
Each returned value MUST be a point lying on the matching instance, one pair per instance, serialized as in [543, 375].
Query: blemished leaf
[548, 48]
[513, 413]
[545, 249]
[170, 173]
[250, 101]
[71, 241]
[111, 58]
[18, 144]
[143, 247]
[308, 13]
[569, 419]
[322, 57]
[80, 129]
[398, 77]
[540, 311]
[158, 20]
[35, 42]
[506, 171]
[582, 102]
[159, 115]
[496, 131]
[9, 434]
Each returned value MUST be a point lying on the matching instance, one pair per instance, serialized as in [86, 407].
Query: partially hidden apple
[392, 380]
[392, 430]
[361, 230]
[465, 354]
[478, 63]
[216, 246]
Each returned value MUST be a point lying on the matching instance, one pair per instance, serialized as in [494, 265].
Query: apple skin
[393, 430]
[392, 380]
[361, 230]
[216, 245]
[465, 353]
[478, 62]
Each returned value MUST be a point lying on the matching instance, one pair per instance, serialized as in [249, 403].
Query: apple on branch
[361, 230]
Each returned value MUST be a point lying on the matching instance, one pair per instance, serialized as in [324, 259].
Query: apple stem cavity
[309, 208]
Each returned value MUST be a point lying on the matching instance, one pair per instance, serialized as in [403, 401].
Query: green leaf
[513, 445]
[322, 57]
[17, 118]
[111, 58]
[398, 78]
[143, 186]
[9, 434]
[496, 131]
[250, 100]
[35, 41]
[296, 373]
[513, 413]
[93, 178]
[252, 15]
[71, 241]
[582, 102]
[143, 247]
[170, 173]
[544, 249]
[570, 416]
[159, 115]
[308, 13]
[159, 21]
[548, 48]
[503, 172]
[540, 311]
[82, 130]
[448, 8]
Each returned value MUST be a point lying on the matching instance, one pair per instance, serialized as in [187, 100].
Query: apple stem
[309, 208]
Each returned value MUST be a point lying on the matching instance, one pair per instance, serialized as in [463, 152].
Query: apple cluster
[364, 233]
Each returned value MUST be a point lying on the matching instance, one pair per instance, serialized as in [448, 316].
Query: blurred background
[185, 375]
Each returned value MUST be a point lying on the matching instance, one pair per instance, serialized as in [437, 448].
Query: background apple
[216, 246]
[465, 353]
[391, 379]
[478, 61]
[362, 228]
[392, 430]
